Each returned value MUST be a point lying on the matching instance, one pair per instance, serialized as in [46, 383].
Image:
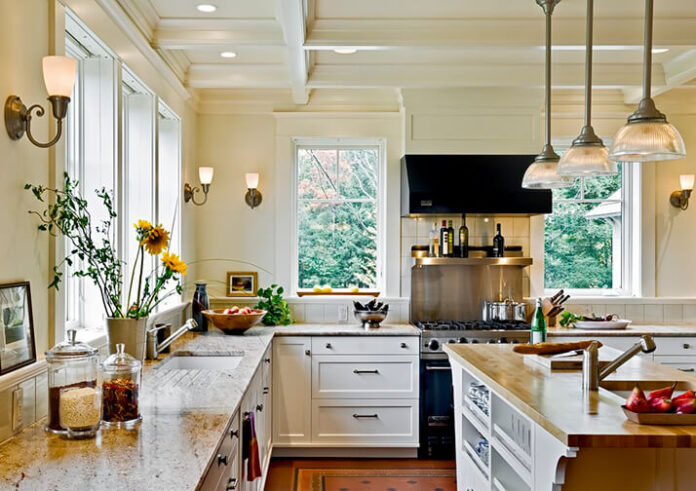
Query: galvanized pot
[130, 332]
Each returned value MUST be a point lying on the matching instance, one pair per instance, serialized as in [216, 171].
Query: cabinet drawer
[364, 376]
[358, 422]
[675, 346]
[365, 345]
[621, 343]
[224, 458]
[683, 363]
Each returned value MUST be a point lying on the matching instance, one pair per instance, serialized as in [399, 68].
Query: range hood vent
[456, 184]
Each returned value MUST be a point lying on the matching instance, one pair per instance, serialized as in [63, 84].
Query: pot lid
[71, 348]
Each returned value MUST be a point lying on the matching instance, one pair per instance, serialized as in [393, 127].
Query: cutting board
[563, 363]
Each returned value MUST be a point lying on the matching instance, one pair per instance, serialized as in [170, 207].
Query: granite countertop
[674, 329]
[185, 413]
[556, 400]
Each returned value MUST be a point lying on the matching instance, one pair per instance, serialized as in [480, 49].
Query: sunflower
[172, 262]
[155, 240]
[143, 225]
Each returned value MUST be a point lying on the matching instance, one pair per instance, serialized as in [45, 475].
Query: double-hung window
[338, 214]
[587, 238]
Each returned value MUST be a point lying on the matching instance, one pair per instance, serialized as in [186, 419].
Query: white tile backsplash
[654, 313]
[636, 313]
[314, 313]
[409, 227]
[673, 313]
[690, 313]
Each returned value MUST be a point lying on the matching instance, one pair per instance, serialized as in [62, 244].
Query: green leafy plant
[278, 312]
[568, 318]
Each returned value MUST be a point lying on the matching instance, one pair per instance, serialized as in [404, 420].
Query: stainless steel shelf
[474, 261]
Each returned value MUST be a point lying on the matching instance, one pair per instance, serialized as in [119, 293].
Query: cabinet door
[249, 405]
[267, 401]
[292, 390]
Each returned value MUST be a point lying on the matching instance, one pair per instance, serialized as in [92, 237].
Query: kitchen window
[588, 238]
[338, 214]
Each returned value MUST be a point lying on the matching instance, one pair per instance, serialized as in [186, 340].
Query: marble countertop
[184, 415]
[556, 400]
[671, 330]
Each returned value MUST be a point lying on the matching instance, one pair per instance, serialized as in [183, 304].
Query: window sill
[94, 337]
[338, 293]
[619, 299]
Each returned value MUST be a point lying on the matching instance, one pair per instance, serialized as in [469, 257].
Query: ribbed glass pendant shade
[543, 173]
[586, 161]
[647, 141]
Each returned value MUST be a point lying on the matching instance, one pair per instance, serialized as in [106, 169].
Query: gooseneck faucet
[591, 373]
[154, 348]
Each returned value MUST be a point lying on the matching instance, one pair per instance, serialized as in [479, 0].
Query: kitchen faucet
[154, 348]
[592, 374]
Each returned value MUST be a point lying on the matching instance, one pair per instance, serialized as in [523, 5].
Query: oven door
[437, 409]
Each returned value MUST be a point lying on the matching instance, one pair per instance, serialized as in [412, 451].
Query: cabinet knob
[266, 390]
[404, 345]
[234, 434]
[686, 345]
[259, 407]
[307, 352]
[267, 360]
[328, 346]
[231, 484]
[222, 459]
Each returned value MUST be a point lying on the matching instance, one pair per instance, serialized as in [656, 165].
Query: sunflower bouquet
[92, 255]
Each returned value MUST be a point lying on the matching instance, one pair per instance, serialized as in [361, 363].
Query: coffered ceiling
[289, 45]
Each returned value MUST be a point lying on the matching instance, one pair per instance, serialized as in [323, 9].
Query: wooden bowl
[233, 323]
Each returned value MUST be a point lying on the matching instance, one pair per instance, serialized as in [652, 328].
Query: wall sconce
[680, 199]
[59, 78]
[253, 196]
[205, 175]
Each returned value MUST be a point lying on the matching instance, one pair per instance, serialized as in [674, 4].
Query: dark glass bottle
[444, 239]
[463, 239]
[498, 243]
[450, 236]
[199, 304]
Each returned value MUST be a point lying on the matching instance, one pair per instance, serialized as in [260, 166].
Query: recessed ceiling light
[345, 51]
[206, 7]
[660, 50]
[228, 54]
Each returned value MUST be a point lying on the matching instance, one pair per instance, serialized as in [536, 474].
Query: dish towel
[250, 450]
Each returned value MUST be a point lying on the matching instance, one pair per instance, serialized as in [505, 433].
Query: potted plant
[93, 255]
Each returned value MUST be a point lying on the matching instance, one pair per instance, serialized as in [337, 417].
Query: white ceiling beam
[437, 76]
[492, 33]
[211, 33]
[678, 71]
[216, 76]
[291, 16]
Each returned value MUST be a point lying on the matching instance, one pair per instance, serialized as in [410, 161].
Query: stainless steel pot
[507, 310]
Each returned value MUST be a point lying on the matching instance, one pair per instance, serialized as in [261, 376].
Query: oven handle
[432, 368]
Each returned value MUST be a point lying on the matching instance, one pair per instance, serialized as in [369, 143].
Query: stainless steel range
[438, 332]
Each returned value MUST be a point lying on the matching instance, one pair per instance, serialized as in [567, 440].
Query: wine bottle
[498, 243]
[444, 241]
[433, 244]
[463, 239]
[538, 332]
[450, 236]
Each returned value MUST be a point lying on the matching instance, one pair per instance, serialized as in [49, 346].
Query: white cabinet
[223, 470]
[292, 390]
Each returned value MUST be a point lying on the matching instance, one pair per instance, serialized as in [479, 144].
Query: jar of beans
[121, 389]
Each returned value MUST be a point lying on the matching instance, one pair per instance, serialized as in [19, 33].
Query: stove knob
[491, 341]
[463, 340]
[451, 341]
[474, 341]
[502, 341]
[515, 341]
[433, 345]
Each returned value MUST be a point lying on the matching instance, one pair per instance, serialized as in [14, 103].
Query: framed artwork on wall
[242, 283]
[17, 344]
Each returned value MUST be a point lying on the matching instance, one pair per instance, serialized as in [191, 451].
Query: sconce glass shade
[647, 141]
[587, 161]
[686, 181]
[205, 174]
[59, 75]
[252, 180]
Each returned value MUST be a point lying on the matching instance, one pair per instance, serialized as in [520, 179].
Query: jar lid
[71, 348]
[121, 361]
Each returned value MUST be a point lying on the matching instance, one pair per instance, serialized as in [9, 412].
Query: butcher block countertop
[673, 329]
[555, 400]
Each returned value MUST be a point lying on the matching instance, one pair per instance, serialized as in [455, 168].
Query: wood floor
[282, 472]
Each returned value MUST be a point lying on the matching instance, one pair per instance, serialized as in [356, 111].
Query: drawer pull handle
[372, 416]
[231, 484]
[222, 459]
[365, 371]
[307, 352]
[259, 407]
[688, 370]
[234, 434]
[404, 345]
[328, 346]
[686, 345]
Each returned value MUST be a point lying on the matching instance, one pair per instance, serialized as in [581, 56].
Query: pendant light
[587, 156]
[647, 136]
[543, 172]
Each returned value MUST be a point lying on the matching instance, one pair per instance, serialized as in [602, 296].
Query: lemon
[316, 289]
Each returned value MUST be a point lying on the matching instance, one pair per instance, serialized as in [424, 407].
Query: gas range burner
[472, 325]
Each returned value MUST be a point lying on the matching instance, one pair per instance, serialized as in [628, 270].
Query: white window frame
[331, 144]
[630, 272]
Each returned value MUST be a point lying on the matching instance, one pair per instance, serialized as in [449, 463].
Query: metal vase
[130, 332]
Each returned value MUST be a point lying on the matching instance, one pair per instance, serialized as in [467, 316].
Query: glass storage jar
[121, 389]
[71, 365]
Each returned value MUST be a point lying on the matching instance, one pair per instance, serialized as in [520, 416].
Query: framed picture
[242, 283]
[17, 346]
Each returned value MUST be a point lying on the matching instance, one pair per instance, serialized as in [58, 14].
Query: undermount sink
[203, 362]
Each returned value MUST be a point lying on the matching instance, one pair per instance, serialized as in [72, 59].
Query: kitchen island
[544, 432]
[189, 415]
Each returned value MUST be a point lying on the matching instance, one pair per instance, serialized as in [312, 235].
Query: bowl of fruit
[661, 407]
[234, 320]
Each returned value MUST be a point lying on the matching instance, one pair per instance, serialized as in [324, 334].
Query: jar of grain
[80, 411]
[121, 390]
[71, 365]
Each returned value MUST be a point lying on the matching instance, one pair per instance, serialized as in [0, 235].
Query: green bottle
[538, 334]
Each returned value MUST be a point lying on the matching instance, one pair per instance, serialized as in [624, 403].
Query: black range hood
[456, 184]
